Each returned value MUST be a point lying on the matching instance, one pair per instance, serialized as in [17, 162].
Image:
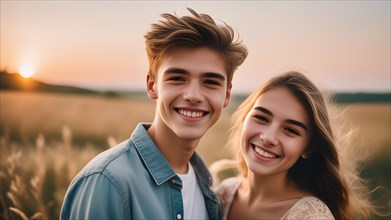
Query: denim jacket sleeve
[94, 197]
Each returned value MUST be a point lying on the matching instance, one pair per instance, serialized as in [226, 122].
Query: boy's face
[190, 88]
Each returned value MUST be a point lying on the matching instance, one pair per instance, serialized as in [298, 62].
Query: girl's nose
[269, 136]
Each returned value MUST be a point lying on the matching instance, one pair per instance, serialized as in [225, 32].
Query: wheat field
[47, 138]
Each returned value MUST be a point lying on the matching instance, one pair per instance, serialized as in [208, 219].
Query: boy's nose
[193, 93]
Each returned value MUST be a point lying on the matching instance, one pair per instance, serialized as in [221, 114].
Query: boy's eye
[176, 78]
[212, 82]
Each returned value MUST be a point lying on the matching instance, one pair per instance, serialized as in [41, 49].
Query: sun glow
[26, 71]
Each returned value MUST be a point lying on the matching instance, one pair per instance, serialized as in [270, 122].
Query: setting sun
[26, 71]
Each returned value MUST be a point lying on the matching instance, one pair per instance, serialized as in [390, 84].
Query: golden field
[46, 138]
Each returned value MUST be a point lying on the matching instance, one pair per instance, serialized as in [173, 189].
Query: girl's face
[275, 133]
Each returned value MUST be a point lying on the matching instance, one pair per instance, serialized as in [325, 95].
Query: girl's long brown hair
[342, 190]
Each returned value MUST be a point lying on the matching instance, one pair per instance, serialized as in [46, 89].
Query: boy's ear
[151, 87]
[227, 95]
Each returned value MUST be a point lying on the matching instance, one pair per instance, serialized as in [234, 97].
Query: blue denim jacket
[133, 181]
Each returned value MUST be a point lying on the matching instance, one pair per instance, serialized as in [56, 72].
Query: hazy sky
[341, 46]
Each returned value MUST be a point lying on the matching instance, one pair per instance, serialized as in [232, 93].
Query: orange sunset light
[26, 71]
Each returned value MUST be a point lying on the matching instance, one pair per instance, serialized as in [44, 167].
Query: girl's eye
[292, 131]
[261, 118]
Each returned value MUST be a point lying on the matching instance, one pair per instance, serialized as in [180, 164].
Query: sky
[342, 46]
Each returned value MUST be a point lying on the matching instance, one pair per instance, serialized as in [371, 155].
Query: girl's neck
[264, 197]
[272, 188]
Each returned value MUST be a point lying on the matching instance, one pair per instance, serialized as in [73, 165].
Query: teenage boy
[156, 174]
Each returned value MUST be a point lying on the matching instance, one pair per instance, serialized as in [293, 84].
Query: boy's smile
[191, 115]
[190, 89]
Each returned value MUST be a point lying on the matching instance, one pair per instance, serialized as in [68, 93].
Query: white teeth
[191, 114]
[264, 153]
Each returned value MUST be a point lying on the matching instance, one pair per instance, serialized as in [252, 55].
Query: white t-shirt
[193, 200]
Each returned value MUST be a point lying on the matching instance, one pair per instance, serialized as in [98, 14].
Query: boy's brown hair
[196, 31]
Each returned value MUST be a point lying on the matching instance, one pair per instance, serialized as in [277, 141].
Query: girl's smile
[275, 132]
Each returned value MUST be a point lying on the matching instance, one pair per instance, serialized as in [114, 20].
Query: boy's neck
[176, 151]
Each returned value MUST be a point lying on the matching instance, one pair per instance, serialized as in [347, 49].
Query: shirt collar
[155, 162]
[153, 159]
[201, 169]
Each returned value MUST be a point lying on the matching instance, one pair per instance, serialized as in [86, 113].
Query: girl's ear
[306, 154]
[151, 87]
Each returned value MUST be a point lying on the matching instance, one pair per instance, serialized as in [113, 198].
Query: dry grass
[92, 118]
[34, 177]
[373, 124]
[47, 138]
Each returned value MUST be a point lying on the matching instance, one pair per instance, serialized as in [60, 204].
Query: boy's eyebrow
[176, 70]
[290, 121]
[214, 75]
[183, 71]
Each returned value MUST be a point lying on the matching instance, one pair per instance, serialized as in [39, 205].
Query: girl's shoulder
[227, 188]
[309, 207]
[228, 183]
[225, 192]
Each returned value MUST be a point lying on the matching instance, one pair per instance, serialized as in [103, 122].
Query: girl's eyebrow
[290, 121]
[264, 110]
[294, 122]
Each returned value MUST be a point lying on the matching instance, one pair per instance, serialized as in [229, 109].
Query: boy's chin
[190, 134]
